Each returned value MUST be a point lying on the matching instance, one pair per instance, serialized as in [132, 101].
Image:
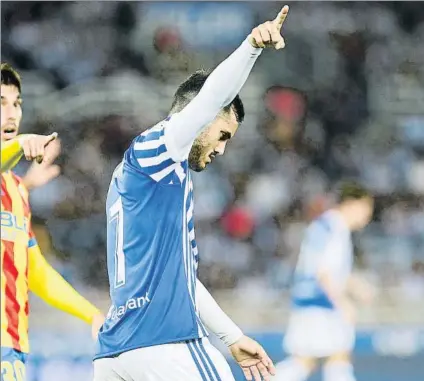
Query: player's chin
[198, 166]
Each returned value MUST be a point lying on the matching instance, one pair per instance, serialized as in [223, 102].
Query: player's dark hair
[192, 86]
[9, 76]
[351, 190]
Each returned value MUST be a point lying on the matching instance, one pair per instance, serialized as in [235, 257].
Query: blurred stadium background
[346, 100]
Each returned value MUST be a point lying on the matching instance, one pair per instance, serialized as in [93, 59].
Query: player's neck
[343, 215]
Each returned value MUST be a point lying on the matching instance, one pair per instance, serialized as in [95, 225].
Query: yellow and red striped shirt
[16, 239]
[23, 267]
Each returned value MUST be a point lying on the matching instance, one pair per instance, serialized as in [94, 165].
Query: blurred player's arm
[30, 145]
[215, 319]
[337, 297]
[361, 289]
[49, 285]
[321, 240]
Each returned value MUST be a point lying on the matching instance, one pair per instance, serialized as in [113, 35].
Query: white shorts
[318, 332]
[196, 360]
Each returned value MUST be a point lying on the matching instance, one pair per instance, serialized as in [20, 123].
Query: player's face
[363, 212]
[11, 111]
[212, 141]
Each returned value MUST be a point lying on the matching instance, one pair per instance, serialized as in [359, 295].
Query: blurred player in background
[156, 327]
[23, 267]
[321, 324]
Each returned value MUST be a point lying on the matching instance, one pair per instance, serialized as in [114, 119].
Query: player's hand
[252, 359]
[96, 324]
[361, 289]
[348, 311]
[369, 297]
[34, 145]
[268, 34]
[367, 294]
[40, 174]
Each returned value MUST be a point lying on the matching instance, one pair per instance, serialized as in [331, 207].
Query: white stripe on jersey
[155, 160]
[164, 172]
[180, 173]
[195, 251]
[190, 212]
[186, 248]
[149, 144]
[186, 252]
[189, 254]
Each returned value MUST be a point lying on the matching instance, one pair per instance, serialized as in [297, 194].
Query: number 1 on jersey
[116, 213]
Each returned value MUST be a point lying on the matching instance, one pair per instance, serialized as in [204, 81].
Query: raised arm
[221, 87]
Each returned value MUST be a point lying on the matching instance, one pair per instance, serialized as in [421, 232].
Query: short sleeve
[149, 155]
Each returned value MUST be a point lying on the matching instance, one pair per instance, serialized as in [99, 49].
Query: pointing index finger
[279, 20]
[51, 137]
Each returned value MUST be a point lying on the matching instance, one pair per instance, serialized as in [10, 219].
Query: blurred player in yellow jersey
[23, 267]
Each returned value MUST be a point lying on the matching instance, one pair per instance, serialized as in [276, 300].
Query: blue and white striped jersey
[151, 250]
[152, 255]
[327, 246]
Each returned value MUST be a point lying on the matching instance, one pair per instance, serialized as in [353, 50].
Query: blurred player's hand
[252, 359]
[361, 289]
[34, 145]
[268, 34]
[41, 173]
[348, 311]
[96, 324]
[368, 296]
